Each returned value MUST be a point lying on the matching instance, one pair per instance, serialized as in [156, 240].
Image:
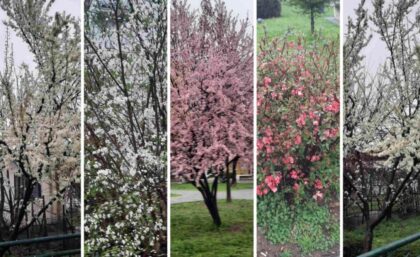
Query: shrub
[268, 8]
[298, 136]
[298, 119]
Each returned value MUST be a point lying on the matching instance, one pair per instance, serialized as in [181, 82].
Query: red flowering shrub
[298, 119]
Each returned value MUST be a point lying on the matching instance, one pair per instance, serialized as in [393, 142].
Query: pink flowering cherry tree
[211, 95]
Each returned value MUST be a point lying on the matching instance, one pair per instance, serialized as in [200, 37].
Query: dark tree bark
[210, 197]
[312, 20]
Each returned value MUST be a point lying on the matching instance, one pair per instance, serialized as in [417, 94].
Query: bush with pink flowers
[298, 125]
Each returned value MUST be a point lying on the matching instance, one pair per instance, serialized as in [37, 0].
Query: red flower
[334, 107]
[318, 196]
[298, 140]
[318, 184]
[288, 159]
[266, 140]
[272, 182]
[330, 133]
[294, 175]
[267, 81]
[298, 91]
[260, 144]
[260, 191]
[314, 158]
[296, 187]
[301, 121]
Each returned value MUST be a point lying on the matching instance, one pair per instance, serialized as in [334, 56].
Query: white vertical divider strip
[341, 29]
[168, 124]
[254, 22]
[82, 128]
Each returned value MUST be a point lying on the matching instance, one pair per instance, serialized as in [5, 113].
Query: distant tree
[39, 113]
[211, 108]
[311, 7]
[268, 8]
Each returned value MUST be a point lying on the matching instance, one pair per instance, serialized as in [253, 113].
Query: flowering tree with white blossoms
[39, 113]
[125, 91]
[382, 117]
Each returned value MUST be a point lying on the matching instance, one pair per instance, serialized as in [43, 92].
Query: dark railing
[389, 248]
[71, 252]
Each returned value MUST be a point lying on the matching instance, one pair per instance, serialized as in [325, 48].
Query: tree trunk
[367, 242]
[210, 198]
[389, 214]
[312, 21]
[228, 185]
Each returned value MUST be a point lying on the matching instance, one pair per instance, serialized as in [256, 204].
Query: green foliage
[385, 233]
[310, 226]
[194, 234]
[286, 254]
[293, 25]
[316, 6]
[268, 8]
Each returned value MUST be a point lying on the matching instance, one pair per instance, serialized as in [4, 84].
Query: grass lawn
[221, 187]
[193, 232]
[387, 232]
[293, 19]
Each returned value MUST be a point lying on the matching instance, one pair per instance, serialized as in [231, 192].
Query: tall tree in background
[211, 94]
[382, 117]
[125, 87]
[268, 9]
[39, 112]
[311, 7]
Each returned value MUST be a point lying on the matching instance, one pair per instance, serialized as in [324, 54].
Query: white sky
[21, 52]
[242, 8]
[376, 50]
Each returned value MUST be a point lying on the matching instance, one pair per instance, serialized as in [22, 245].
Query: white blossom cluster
[125, 85]
[382, 111]
[39, 106]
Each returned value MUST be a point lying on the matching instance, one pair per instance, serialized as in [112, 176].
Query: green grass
[387, 232]
[220, 188]
[293, 20]
[194, 234]
[309, 226]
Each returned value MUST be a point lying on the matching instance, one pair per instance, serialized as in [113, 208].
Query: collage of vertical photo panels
[210, 128]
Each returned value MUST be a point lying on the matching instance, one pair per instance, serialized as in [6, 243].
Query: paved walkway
[333, 20]
[183, 196]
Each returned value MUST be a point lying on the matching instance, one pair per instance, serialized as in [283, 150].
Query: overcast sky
[375, 52]
[21, 52]
[242, 8]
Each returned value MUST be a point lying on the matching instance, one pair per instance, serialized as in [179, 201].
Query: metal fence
[387, 250]
[44, 240]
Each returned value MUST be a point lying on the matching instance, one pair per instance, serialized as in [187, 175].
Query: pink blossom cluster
[211, 90]
[298, 118]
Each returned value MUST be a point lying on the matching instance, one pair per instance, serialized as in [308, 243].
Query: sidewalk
[183, 196]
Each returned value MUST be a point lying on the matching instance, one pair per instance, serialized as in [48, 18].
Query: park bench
[247, 177]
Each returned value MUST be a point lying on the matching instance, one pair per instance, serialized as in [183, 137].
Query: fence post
[64, 225]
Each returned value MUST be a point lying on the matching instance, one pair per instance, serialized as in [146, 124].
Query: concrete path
[333, 20]
[183, 196]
